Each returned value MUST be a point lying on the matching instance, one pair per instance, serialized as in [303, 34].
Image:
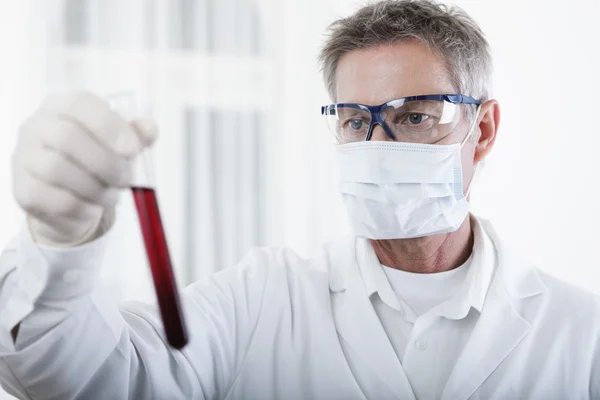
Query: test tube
[159, 259]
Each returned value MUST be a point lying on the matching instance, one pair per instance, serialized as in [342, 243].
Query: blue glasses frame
[377, 118]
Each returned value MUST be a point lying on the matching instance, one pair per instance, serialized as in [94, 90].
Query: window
[203, 69]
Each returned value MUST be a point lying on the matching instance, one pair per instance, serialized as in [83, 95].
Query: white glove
[72, 158]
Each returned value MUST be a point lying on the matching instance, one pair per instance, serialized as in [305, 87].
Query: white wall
[21, 83]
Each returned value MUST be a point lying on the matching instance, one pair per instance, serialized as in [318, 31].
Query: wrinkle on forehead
[375, 75]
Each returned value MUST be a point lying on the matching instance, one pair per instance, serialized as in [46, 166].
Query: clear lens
[422, 121]
[348, 123]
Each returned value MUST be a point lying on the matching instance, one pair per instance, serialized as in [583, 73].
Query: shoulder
[262, 265]
[568, 314]
[570, 317]
[545, 301]
[525, 281]
[568, 298]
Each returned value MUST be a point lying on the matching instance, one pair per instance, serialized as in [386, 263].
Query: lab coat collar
[519, 278]
[374, 276]
[497, 333]
[499, 330]
[472, 293]
[517, 275]
[475, 287]
[359, 326]
[500, 327]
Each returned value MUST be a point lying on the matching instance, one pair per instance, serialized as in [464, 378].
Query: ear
[489, 121]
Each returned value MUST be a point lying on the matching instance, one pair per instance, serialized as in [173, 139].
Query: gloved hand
[72, 158]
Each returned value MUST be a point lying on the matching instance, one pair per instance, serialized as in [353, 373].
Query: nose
[380, 135]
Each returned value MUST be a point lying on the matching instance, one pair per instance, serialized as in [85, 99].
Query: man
[423, 301]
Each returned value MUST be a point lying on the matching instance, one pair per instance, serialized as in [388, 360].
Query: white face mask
[396, 190]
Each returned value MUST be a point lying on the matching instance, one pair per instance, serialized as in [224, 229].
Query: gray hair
[449, 31]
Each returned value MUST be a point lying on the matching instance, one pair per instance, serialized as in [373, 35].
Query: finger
[67, 138]
[96, 116]
[57, 170]
[49, 203]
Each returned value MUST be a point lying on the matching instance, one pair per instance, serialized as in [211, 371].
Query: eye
[355, 124]
[416, 119]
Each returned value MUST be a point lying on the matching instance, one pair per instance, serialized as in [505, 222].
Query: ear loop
[468, 191]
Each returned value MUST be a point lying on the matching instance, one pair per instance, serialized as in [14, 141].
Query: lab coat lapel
[358, 324]
[500, 328]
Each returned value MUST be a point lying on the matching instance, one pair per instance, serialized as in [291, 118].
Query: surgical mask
[397, 190]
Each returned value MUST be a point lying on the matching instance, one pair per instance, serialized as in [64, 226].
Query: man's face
[376, 75]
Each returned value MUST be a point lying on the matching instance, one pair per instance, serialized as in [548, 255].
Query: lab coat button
[71, 276]
[421, 344]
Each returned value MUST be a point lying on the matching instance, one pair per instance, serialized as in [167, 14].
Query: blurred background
[245, 159]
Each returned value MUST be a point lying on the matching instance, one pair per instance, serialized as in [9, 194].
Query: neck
[437, 253]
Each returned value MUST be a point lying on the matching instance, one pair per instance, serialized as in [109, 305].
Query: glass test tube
[144, 195]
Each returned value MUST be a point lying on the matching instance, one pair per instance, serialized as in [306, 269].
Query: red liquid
[160, 264]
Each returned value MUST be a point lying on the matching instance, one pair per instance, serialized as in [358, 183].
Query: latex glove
[72, 158]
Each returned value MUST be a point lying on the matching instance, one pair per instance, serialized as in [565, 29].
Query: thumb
[146, 130]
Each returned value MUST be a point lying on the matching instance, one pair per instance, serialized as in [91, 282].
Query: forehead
[375, 75]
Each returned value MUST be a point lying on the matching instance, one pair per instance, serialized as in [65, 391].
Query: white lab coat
[280, 327]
